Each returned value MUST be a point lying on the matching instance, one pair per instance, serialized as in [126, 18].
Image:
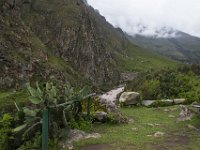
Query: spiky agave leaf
[31, 90]
[35, 94]
[32, 127]
[18, 109]
[52, 95]
[68, 91]
[39, 89]
[67, 108]
[19, 128]
[48, 86]
[28, 112]
[35, 100]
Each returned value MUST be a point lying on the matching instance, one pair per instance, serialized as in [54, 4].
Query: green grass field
[137, 59]
[140, 134]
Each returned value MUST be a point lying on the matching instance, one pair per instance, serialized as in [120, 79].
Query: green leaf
[38, 89]
[29, 112]
[54, 91]
[18, 109]
[31, 90]
[48, 86]
[64, 104]
[35, 100]
[19, 128]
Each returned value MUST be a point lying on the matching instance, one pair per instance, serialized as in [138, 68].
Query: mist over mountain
[162, 32]
[166, 27]
[132, 15]
[171, 43]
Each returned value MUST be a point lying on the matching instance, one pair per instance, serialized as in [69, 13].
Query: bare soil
[96, 147]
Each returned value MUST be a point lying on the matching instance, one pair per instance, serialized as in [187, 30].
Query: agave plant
[72, 101]
[64, 100]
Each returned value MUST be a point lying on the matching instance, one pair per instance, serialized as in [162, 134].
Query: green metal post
[45, 127]
[88, 109]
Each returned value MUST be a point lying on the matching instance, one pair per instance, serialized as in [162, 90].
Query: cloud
[153, 15]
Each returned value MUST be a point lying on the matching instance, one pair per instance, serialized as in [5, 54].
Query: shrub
[183, 82]
[82, 124]
[150, 89]
[6, 135]
[160, 103]
[62, 103]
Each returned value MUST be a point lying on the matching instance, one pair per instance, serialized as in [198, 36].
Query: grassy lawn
[140, 133]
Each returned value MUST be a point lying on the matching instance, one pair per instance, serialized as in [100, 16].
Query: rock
[191, 127]
[150, 125]
[109, 101]
[157, 124]
[69, 146]
[77, 135]
[159, 134]
[129, 98]
[179, 101]
[134, 129]
[185, 114]
[171, 116]
[166, 110]
[147, 102]
[100, 116]
[173, 109]
[112, 96]
[130, 121]
[168, 101]
[94, 135]
[195, 103]
[6, 82]
[128, 76]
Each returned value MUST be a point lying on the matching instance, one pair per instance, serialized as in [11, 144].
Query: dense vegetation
[67, 108]
[183, 82]
[23, 129]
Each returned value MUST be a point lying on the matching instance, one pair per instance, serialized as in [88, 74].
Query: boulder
[100, 116]
[109, 101]
[75, 136]
[168, 101]
[185, 114]
[113, 95]
[129, 98]
[179, 101]
[147, 102]
[159, 134]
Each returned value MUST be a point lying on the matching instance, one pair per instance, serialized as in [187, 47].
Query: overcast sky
[132, 15]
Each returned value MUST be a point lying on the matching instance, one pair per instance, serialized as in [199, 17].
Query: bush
[113, 118]
[150, 89]
[183, 82]
[82, 124]
[6, 135]
[160, 103]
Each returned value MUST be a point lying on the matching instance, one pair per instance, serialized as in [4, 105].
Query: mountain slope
[67, 40]
[182, 47]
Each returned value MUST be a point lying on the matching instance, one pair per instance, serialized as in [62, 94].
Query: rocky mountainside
[171, 43]
[66, 40]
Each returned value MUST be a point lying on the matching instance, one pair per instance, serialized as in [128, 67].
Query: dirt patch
[177, 141]
[96, 147]
[172, 142]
